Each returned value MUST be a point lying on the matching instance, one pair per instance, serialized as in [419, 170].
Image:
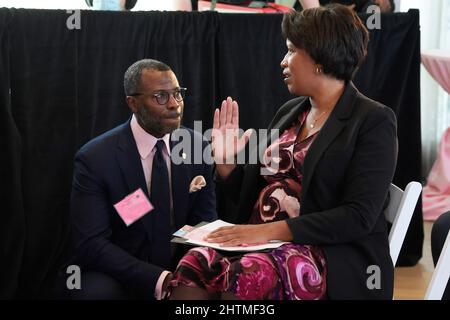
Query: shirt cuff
[159, 294]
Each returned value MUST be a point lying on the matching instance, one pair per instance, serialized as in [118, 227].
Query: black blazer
[346, 177]
[107, 169]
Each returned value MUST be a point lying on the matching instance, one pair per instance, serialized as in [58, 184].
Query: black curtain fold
[250, 50]
[12, 215]
[44, 107]
[393, 63]
[67, 87]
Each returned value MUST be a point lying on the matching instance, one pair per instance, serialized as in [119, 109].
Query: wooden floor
[411, 282]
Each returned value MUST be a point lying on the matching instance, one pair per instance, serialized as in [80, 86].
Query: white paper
[195, 236]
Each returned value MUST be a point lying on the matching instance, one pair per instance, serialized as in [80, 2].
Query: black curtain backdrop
[59, 88]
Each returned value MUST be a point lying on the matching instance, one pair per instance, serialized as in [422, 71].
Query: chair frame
[441, 274]
[399, 212]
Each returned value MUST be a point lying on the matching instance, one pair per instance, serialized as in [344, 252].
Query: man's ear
[132, 104]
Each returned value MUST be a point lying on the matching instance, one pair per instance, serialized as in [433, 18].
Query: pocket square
[197, 183]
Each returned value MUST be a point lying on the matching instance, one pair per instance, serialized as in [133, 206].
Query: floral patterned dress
[290, 272]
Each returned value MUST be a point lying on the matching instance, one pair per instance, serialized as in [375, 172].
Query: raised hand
[226, 142]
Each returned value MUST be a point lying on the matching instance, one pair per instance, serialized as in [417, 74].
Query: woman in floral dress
[328, 184]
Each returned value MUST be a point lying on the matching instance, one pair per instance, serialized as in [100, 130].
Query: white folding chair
[441, 274]
[399, 212]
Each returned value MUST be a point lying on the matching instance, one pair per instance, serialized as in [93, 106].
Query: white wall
[81, 4]
[44, 4]
[435, 103]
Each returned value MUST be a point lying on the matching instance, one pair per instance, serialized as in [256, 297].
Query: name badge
[133, 207]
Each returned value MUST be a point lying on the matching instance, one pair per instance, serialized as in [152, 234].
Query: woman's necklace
[312, 125]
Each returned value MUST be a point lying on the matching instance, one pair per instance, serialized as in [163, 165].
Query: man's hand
[166, 282]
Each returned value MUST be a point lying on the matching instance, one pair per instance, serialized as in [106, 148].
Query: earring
[318, 70]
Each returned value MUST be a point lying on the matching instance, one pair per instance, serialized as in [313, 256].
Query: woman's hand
[246, 234]
[250, 234]
[226, 143]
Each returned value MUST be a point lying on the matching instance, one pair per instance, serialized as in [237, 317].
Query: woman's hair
[333, 36]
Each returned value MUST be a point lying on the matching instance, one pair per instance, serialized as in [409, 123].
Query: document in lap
[194, 236]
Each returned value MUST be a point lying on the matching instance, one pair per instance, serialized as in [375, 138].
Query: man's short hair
[132, 77]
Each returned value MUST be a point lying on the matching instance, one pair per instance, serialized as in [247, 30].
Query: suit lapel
[253, 175]
[286, 120]
[332, 127]
[280, 125]
[131, 166]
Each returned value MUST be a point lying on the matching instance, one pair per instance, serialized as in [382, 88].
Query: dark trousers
[99, 286]
[439, 233]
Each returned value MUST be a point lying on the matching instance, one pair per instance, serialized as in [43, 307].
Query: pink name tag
[133, 207]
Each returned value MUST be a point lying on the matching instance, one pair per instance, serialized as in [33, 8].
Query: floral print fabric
[290, 272]
[280, 199]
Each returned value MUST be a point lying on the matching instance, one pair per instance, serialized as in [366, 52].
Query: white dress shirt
[146, 147]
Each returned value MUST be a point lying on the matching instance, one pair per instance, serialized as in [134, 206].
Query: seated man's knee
[98, 286]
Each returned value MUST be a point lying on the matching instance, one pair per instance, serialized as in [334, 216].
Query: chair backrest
[441, 274]
[399, 212]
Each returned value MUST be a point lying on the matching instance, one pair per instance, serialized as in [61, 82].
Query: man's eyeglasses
[162, 97]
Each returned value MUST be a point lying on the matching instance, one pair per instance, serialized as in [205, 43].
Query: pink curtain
[437, 63]
[436, 194]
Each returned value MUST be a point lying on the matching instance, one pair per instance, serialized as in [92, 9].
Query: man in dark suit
[123, 250]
